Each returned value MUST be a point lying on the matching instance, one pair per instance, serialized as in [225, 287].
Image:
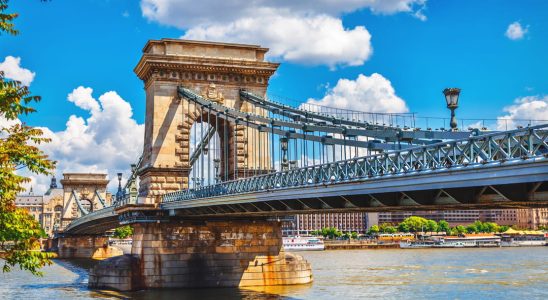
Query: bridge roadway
[499, 170]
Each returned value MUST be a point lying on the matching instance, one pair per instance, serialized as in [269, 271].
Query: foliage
[443, 226]
[6, 19]
[19, 232]
[373, 230]
[431, 226]
[403, 227]
[123, 232]
[460, 229]
[20, 236]
[387, 228]
[328, 232]
[415, 224]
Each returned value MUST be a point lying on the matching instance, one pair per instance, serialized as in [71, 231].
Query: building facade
[303, 224]
[60, 205]
[360, 222]
[530, 218]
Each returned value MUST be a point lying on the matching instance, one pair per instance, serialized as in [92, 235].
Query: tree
[403, 227]
[460, 229]
[374, 230]
[415, 224]
[490, 227]
[123, 232]
[20, 237]
[390, 229]
[354, 235]
[384, 226]
[444, 226]
[431, 226]
[19, 232]
[503, 228]
[472, 228]
[330, 232]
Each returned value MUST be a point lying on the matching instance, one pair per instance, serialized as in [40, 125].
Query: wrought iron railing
[98, 214]
[500, 147]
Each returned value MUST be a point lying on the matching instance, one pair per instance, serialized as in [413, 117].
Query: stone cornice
[150, 64]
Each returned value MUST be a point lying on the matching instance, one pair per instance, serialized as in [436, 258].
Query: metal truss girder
[265, 124]
[384, 132]
[203, 142]
[513, 192]
[389, 199]
[333, 202]
[423, 197]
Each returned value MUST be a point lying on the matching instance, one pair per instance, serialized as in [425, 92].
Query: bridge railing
[90, 217]
[500, 147]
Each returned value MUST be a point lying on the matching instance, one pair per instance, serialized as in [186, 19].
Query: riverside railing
[500, 147]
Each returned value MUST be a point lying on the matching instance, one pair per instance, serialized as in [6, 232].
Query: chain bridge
[222, 160]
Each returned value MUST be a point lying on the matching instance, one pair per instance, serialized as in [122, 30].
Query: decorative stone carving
[84, 193]
[212, 94]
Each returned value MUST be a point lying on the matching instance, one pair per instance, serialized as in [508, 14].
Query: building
[306, 223]
[524, 218]
[362, 221]
[59, 206]
[532, 218]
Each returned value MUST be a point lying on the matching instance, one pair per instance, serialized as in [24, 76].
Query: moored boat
[519, 238]
[303, 243]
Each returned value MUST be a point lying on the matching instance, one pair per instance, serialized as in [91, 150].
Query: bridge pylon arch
[217, 71]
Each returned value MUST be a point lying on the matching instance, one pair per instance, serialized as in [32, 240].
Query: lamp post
[119, 193]
[217, 165]
[283, 144]
[452, 100]
[197, 182]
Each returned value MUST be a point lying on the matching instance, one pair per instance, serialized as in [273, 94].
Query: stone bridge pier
[190, 254]
[86, 246]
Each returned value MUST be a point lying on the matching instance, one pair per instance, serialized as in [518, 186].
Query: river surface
[496, 273]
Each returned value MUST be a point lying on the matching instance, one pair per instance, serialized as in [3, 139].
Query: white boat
[519, 238]
[453, 242]
[416, 244]
[523, 241]
[303, 243]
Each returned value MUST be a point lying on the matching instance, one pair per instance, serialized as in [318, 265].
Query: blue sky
[418, 47]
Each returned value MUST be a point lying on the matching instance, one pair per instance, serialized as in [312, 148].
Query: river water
[495, 273]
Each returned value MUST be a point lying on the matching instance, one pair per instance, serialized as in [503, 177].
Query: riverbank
[356, 245]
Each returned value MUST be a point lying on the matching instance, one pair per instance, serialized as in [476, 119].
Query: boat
[520, 238]
[303, 243]
[419, 244]
[470, 241]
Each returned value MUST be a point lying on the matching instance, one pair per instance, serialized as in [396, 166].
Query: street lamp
[217, 165]
[119, 194]
[452, 99]
[283, 144]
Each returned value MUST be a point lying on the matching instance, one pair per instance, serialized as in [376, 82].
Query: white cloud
[531, 110]
[187, 13]
[81, 96]
[314, 40]
[12, 70]
[107, 141]
[308, 32]
[367, 93]
[515, 31]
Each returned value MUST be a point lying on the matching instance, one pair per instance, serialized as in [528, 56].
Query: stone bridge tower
[217, 71]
